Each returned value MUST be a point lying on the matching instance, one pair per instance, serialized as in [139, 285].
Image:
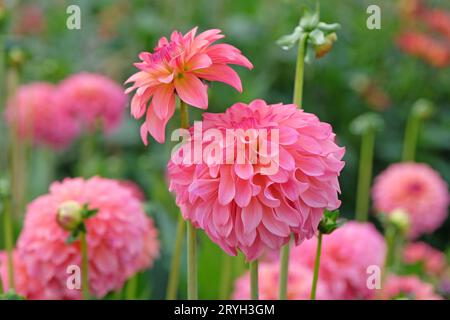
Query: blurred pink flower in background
[415, 188]
[35, 114]
[346, 255]
[30, 20]
[406, 288]
[95, 100]
[433, 260]
[121, 240]
[240, 205]
[177, 68]
[134, 188]
[299, 279]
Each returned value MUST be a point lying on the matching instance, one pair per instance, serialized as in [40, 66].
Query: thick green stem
[299, 69]
[84, 266]
[131, 289]
[284, 269]
[9, 242]
[254, 289]
[192, 262]
[225, 276]
[390, 238]
[411, 137]
[316, 267]
[174, 276]
[365, 175]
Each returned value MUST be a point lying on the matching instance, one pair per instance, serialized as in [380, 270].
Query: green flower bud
[400, 219]
[70, 215]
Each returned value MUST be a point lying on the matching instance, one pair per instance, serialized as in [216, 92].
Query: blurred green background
[114, 32]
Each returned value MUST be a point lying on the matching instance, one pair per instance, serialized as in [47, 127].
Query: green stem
[192, 262]
[284, 269]
[365, 175]
[84, 266]
[411, 138]
[9, 242]
[390, 235]
[254, 289]
[299, 70]
[226, 276]
[316, 267]
[131, 289]
[174, 276]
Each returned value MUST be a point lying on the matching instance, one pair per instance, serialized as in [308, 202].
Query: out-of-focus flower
[417, 189]
[299, 279]
[346, 255]
[94, 100]
[411, 9]
[36, 114]
[433, 260]
[438, 20]
[30, 20]
[433, 51]
[177, 68]
[374, 95]
[406, 288]
[121, 240]
[275, 182]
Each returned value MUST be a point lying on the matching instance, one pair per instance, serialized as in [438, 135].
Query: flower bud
[326, 47]
[400, 219]
[69, 215]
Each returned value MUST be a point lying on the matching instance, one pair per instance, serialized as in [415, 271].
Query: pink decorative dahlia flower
[407, 288]
[346, 255]
[415, 188]
[121, 240]
[35, 114]
[299, 279]
[433, 260]
[249, 198]
[177, 68]
[94, 99]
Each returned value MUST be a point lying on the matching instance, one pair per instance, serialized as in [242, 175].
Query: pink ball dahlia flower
[94, 100]
[346, 255]
[417, 189]
[299, 279]
[177, 68]
[35, 114]
[252, 205]
[407, 287]
[433, 260]
[121, 240]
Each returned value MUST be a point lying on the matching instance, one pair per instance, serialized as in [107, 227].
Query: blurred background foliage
[114, 32]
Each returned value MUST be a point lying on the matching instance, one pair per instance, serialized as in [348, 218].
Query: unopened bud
[69, 215]
[400, 219]
[327, 46]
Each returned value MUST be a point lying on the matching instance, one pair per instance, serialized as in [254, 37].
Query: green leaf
[73, 236]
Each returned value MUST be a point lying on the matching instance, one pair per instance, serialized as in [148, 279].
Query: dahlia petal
[273, 225]
[192, 91]
[226, 186]
[163, 101]
[199, 61]
[222, 73]
[251, 216]
[243, 193]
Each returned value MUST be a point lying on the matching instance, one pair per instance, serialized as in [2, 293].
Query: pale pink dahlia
[94, 99]
[179, 67]
[34, 113]
[417, 189]
[407, 287]
[433, 260]
[346, 255]
[299, 279]
[121, 240]
[252, 204]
